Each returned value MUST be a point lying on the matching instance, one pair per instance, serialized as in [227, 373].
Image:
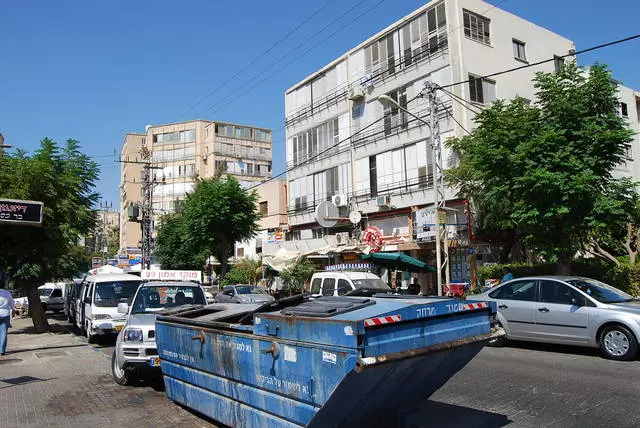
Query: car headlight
[133, 335]
[101, 316]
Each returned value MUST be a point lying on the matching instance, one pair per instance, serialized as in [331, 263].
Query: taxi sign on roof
[171, 275]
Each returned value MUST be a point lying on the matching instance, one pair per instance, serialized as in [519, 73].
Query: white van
[52, 296]
[339, 283]
[97, 302]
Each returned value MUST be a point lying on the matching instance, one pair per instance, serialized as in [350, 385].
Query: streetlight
[438, 194]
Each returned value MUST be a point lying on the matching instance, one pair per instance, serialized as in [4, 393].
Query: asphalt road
[530, 385]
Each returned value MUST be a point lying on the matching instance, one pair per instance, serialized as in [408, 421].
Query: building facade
[346, 146]
[272, 206]
[180, 152]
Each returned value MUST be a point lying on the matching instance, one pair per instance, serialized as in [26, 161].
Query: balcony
[242, 152]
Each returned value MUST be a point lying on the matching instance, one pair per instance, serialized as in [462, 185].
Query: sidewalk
[57, 380]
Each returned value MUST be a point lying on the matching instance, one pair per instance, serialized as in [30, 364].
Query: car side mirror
[123, 308]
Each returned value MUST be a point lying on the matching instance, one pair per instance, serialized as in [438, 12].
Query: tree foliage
[173, 249]
[218, 213]
[295, 277]
[64, 179]
[247, 271]
[542, 173]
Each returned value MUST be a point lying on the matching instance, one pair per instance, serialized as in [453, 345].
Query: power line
[256, 59]
[453, 117]
[593, 48]
[464, 103]
[278, 61]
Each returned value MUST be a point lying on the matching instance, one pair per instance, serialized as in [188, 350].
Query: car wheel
[618, 343]
[498, 342]
[90, 336]
[121, 375]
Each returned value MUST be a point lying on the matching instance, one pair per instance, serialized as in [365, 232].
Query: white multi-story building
[343, 143]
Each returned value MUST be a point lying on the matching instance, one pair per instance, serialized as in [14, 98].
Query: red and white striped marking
[382, 320]
[471, 306]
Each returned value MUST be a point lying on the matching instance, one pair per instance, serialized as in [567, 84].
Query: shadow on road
[558, 349]
[442, 415]
[17, 351]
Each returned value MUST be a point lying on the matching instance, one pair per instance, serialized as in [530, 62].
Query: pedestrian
[414, 288]
[6, 310]
[507, 274]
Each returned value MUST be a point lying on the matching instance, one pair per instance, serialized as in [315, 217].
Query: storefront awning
[398, 261]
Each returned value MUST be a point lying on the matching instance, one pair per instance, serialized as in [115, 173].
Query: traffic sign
[15, 211]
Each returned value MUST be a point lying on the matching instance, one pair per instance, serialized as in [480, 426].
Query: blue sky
[94, 71]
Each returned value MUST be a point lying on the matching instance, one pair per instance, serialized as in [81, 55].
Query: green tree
[64, 179]
[173, 249]
[543, 173]
[295, 277]
[216, 215]
[247, 271]
[113, 241]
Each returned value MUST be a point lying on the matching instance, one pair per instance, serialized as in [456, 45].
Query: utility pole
[146, 207]
[439, 197]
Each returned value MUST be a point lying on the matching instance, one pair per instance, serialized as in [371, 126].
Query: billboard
[17, 211]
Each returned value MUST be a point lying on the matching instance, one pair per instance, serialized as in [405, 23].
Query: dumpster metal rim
[365, 362]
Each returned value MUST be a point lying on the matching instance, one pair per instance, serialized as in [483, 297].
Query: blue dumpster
[328, 362]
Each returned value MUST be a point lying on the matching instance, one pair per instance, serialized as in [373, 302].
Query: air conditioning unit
[383, 201]
[356, 93]
[339, 200]
[342, 237]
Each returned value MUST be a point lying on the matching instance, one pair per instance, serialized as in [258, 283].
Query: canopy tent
[398, 261]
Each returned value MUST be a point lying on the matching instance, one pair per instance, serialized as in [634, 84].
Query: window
[379, 56]
[518, 50]
[239, 252]
[476, 27]
[343, 287]
[332, 182]
[315, 285]
[558, 63]
[264, 208]
[395, 117]
[314, 141]
[56, 293]
[481, 91]
[241, 132]
[328, 286]
[556, 292]
[373, 176]
[423, 180]
[518, 290]
[624, 109]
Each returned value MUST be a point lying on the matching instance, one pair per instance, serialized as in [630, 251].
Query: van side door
[88, 301]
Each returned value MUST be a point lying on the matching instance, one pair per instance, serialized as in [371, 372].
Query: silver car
[568, 310]
[243, 294]
[135, 351]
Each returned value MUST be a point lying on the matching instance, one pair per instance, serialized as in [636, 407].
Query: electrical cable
[256, 59]
[464, 103]
[533, 64]
[215, 105]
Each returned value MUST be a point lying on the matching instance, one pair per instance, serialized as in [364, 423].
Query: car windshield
[155, 298]
[249, 289]
[600, 291]
[45, 292]
[371, 284]
[109, 294]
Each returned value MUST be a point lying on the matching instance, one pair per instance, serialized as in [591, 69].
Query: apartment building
[180, 152]
[272, 205]
[348, 147]
[630, 112]
[130, 190]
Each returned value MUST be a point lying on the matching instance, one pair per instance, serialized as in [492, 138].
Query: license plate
[119, 327]
[154, 362]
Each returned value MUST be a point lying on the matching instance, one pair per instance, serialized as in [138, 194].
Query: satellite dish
[327, 214]
[355, 217]
[146, 128]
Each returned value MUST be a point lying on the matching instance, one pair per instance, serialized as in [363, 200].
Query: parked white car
[339, 283]
[52, 296]
[135, 350]
[98, 299]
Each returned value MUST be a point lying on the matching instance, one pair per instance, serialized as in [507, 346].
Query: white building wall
[402, 152]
